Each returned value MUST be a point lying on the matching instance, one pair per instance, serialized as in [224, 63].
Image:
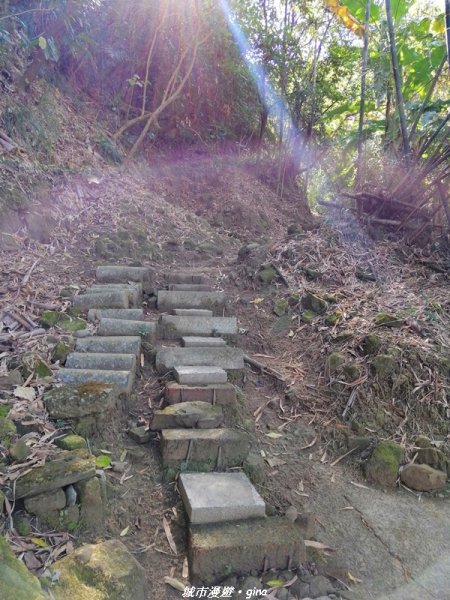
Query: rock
[254, 467]
[141, 435]
[300, 589]
[351, 372]
[387, 320]
[43, 503]
[105, 571]
[59, 470]
[16, 581]
[333, 318]
[280, 307]
[371, 344]
[423, 478]
[202, 415]
[307, 316]
[218, 497]
[7, 432]
[92, 507]
[335, 361]
[382, 467]
[291, 513]
[319, 586]
[71, 442]
[312, 302]
[60, 352]
[123, 380]
[385, 366]
[71, 495]
[9, 381]
[19, 450]
[75, 401]
[51, 318]
[267, 274]
[282, 325]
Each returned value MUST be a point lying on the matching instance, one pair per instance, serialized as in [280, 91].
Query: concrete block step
[130, 344]
[200, 375]
[102, 361]
[195, 341]
[124, 274]
[228, 358]
[119, 327]
[122, 379]
[192, 312]
[190, 287]
[174, 327]
[169, 300]
[218, 497]
[223, 394]
[203, 449]
[129, 314]
[134, 291]
[219, 550]
[189, 415]
[107, 299]
[183, 277]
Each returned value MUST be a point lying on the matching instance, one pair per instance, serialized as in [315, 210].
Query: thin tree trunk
[447, 29]
[365, 55]
[398, 81]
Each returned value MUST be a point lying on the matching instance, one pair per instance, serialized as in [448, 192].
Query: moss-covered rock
[307, 316]
[71, 442]
[16, 582]
[19, 450]
[430, 455]
[386, 320]
[254, 467]
[335, 361]
[384, 365]
[267, 275]
[280, 307]
[382, 467]
[371, 344]
[105, 571]
[42, 370]
[282, 325]
[7, 431]
[61, 351]
[333, 318]
[51, 318]
[92, 507]
[312, 302]
[351, 372]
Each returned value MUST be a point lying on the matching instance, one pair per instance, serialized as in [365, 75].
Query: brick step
[218, 497]
[119, 327]
[130, 314]
[203, 449]
[200, 375]
[168, 301]
[183, 277]
[134, 291]
[195, 341]
[125, 274]
[122, 379]
[230, 359]
[107, 299]
[216, 551]
[174, 327]
[102, 361]
[127, 344]
[188, 415]
[223, 394]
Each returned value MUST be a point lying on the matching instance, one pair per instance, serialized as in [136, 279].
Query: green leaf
[275, 583]
[124, 532]
[273, 435]
[42, 42]
[102, 461]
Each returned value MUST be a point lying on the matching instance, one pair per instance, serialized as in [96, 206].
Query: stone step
[134, 291]
[130, 344]
[174, 327]
[230, 359]
[130, 314]
[200, 375]
[203, 449]
[122, 379]
[119, 327]
[215, 301]
[124, 274]
[192, 341]
[219, 550]
[181, 277]
[192, 415]
[223, 394]
[103, 362]
[218, 497]
[189, 287]
[109, 299]
[192, 312]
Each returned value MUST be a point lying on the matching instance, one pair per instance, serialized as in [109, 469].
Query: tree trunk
[365, 55]
[398, 81]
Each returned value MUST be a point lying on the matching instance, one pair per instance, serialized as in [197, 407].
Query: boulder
[312, 302]
[16, 581]
[382, 467]
[75, 401]
[423, 478]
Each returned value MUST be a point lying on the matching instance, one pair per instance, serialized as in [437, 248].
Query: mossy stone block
[307, 316]
[16, 581]
[382, 467]
[333, 318]
[267, 275]
[313, 302]
[71, 442]
[371, 343]
[386, 320]
[280, 307]
[384, 365]
[7, 431]
[336, 360]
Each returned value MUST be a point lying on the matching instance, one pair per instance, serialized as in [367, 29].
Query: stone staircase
[201, 447]
[229, 532]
